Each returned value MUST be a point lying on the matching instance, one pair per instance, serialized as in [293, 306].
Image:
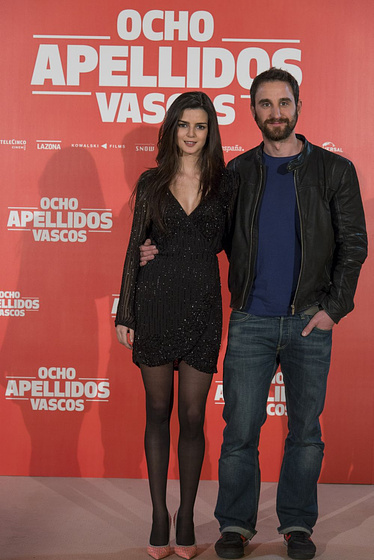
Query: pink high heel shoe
[158, 552]
[184, 551]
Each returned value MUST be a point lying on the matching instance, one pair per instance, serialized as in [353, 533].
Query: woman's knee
[191, 420]
[158, 412]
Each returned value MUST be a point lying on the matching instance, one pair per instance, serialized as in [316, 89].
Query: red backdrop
[84, 88]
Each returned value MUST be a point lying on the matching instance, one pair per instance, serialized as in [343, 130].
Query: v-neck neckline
[181, 207]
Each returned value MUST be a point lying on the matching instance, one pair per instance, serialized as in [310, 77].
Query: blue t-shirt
[279, 247]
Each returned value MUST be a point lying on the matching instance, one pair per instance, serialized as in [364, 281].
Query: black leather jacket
[333, 235]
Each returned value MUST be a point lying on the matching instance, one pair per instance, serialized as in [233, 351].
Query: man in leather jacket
[296, 248]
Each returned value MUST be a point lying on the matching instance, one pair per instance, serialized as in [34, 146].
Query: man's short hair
[274, 75]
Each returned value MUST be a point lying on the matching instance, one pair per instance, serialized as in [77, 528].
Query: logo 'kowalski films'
[60, 219]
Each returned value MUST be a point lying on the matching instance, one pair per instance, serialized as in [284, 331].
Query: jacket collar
[299, 159]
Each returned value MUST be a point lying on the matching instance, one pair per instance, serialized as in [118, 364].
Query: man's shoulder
[329, 157]
[247, 157]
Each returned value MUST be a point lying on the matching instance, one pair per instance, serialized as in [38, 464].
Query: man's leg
[249, 367]
[305, 363]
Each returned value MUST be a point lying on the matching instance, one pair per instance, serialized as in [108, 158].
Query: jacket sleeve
[125, 310]
[350, 244]
[233, 180]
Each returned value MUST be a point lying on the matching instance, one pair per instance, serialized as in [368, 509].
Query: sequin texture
[174, 302]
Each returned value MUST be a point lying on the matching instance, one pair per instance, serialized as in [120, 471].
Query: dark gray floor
[109, 519]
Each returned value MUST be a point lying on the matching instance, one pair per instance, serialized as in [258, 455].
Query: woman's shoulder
[145, 181]
[147, 176]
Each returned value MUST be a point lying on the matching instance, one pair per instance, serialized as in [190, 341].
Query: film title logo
[57, 389]
[171, 40]
[12, 304]
[276, 404]
[60, 219]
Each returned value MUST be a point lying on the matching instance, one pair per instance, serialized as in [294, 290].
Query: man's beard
[280, 133]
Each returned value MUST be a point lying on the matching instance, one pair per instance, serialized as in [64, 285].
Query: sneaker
[231, 545]
[299, 545]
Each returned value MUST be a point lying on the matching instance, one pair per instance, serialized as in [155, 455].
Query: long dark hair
[211, 161]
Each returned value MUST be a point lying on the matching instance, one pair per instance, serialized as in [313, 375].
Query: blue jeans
[255, 348]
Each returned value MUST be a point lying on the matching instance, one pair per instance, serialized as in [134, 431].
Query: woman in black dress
[169, 311]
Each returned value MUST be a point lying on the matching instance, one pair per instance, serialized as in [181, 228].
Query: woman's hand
[125, 336]
[147, 252]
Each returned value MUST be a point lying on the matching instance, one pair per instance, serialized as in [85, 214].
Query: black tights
[193, 387]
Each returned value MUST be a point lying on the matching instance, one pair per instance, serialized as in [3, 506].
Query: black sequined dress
[174, 302]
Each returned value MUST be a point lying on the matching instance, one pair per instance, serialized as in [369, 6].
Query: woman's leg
[192, 394]
[158, 383]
